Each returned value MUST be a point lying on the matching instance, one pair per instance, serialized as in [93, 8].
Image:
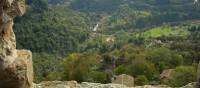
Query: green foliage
[141, 80]
[120, 70]
[164, 58]
[39, 5]
[162, 2]
[46, 67]
[77, 66]
[164, 31]
[182, 76]
[57, 1]
[126, 19]
[96, 5]
[140, 66]
[97, 77]
[57, 30]
[54, 76]
[65, 48]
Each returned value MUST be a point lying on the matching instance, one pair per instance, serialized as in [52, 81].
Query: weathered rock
[166, 74]
[16, 69]
[74, 84]
[56, 84]
[190, 85]
[150, 86]
[124, 79]
[98, 85]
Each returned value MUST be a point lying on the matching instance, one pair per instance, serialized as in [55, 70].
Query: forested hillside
[94, 40]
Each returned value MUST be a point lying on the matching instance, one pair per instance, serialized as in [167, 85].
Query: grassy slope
[165, 31]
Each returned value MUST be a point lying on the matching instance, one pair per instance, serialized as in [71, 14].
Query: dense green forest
[94, 40]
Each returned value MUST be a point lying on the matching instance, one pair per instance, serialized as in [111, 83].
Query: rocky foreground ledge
[74, 84]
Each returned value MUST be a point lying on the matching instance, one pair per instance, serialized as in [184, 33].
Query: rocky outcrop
[15, 65]
[167, 74]
[190, 85]
[124, 79]
[74, 84]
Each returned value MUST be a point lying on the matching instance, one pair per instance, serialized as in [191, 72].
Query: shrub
[97, 77]
[182, 76]
[142, 67]
[120, 70]
[141, 80]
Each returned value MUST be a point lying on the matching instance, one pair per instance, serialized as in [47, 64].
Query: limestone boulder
[124, 80]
